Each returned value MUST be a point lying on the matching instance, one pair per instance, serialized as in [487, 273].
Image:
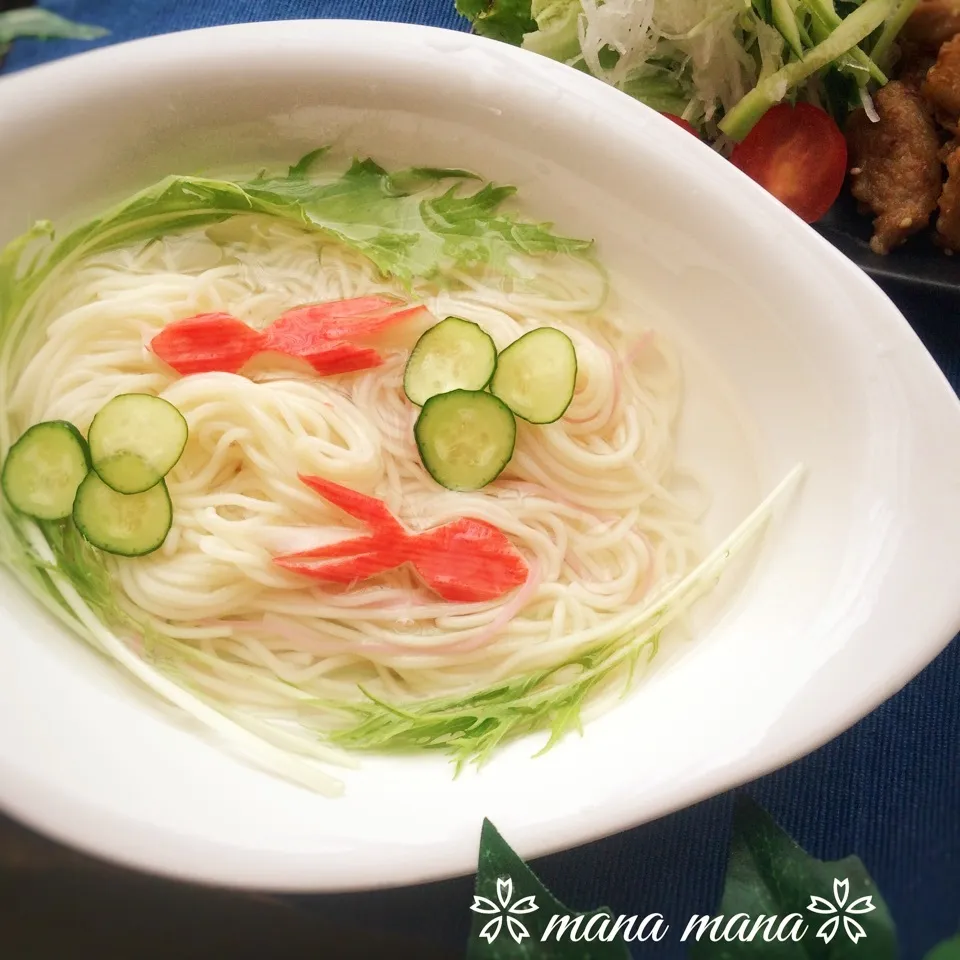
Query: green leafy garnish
[512, 910]
[409, 223]
[472, 726]
[43, 25]
[85, 567]
[405, 225]
[769, 874]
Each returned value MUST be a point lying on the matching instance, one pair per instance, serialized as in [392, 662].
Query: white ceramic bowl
[855, 590]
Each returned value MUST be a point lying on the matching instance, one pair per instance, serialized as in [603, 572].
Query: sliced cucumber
[454, 354]
[465, 438]
[537, 374]
[44, 468]
[128, 524]
[135, 440]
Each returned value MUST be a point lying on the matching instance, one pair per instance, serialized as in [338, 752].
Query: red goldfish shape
[319, 334]
[466, 561]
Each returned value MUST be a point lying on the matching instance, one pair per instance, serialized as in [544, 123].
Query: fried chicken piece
[941, 88]
[948, 223]
[895, 165]
[932, 24]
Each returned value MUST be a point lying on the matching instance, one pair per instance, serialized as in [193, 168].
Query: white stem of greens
[671, 603]
[255, 748]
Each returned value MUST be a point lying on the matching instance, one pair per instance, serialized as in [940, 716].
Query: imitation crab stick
[320, 334]
[466, 561]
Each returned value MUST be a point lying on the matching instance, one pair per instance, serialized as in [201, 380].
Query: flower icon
[504, 910]
[841, 911]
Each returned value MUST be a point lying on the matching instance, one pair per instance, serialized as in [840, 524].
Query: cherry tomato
[680, 122]
[798, 154]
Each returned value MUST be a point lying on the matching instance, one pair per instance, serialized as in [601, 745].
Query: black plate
[919, 264]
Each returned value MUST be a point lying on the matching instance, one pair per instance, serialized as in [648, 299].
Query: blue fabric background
[887, 790]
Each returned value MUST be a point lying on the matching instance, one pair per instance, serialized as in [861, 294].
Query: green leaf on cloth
[512, 909]
[948, 950]
[769, 874]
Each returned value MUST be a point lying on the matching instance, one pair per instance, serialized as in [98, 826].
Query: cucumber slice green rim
[44, 468]
[537, 375]
[135, 441]
[465, 438]
[128, 525]
[453, 354]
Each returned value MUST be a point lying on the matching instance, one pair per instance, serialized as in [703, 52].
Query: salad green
[770, 90]
[716, 63]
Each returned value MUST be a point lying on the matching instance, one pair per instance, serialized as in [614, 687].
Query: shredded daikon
[695, 58]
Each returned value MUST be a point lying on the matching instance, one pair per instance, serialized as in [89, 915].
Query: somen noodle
[595, 502]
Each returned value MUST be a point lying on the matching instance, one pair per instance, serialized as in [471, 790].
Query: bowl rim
[144, 846]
